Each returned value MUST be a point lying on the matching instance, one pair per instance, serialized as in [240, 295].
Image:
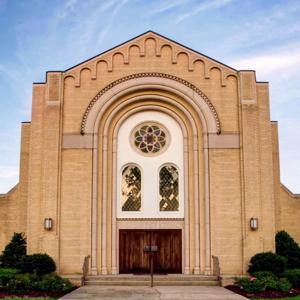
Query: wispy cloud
[68, 8]
[280, 23]
[168, 5]
[91, 22]
[267, 63]
[110, 22]
[8, 172]
[206, 5]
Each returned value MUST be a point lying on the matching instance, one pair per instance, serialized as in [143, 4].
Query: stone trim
[96, 113]
[224, 141]
[53, 103]
[150, 74]
[150, 219]
[152, 224]
[77, 141]
[215, 141]
[186, 248]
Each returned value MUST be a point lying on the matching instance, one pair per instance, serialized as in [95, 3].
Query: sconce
[254, 223]
[48, 223]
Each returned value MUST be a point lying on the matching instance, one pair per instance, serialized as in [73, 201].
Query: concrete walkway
[156, 293]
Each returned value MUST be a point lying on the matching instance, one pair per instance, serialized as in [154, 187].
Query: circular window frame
[150, 123]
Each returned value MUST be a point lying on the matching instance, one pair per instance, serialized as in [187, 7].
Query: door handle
[151, 249]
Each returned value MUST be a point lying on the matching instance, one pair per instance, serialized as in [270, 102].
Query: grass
[290, 298]
[37, 298]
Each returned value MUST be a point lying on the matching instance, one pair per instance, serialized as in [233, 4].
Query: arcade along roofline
[134, 38]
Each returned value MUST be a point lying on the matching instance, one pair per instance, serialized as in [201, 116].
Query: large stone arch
[123, 115]
[90, 126]
[190, 92]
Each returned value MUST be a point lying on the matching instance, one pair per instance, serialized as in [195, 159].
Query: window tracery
[131, 189]
[150, 138]
[168, 188]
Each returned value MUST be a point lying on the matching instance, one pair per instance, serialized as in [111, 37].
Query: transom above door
[150, 167]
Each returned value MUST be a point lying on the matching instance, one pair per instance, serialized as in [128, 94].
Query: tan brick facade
[68, 158]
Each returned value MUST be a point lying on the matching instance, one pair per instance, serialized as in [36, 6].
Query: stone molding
[215, 141]
[224, 141]
[152, 224]
[77, 141]
[151, 74]
[95, 114]
[121, 107]
[150, 219]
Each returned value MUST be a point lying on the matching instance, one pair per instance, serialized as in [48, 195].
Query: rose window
[150, 138]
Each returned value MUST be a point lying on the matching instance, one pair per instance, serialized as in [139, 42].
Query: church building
[150, 144]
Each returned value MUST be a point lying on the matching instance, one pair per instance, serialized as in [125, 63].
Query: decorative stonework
[150, 74]
[151, 223]
[123, 51]
[149, 138]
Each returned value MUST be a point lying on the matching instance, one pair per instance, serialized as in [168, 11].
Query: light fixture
[48, 223]
[254, 223]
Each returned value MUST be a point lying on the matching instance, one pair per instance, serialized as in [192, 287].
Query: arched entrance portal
[191, 110]
[150, 188]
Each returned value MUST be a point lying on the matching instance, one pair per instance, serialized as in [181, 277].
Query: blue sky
[41, 35]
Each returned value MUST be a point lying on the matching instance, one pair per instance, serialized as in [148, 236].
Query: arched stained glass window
[131, 188]
[168, 188]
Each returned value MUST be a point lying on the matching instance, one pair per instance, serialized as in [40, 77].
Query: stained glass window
[168, 188]
[131, 189]
[150, 138]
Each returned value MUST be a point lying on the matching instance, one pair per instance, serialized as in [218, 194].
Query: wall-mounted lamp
[254, 223]
[48, 223]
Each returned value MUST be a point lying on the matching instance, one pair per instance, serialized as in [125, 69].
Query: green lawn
[290, 298]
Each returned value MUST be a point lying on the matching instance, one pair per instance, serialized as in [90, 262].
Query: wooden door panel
[139, 260]
[133, 259]
[168, 258]
[162, 258]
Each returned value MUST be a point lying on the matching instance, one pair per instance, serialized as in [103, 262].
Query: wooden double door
[133, 258]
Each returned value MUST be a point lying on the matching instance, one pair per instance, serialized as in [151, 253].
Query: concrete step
[159, 280]
[155, 283]
[156, 277]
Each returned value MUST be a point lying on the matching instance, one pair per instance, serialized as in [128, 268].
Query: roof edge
[289, 191]
[106, 51]
[10, 191]
[159, 35]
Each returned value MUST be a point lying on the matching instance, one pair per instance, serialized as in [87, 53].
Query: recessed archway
[91, 125]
